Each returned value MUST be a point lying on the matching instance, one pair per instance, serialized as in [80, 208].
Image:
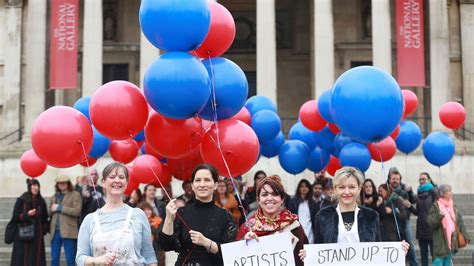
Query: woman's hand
[405, 247]
[32, 212]
[199, 239]
[302, 254]
[171, 209]
[250, 235]
[369, 200]
[106, 259]
[379, 201]
[388, 210]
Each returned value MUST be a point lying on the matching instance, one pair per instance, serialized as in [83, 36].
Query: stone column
[467, 40]
[35, 57]
[12, 69]
[92, 47]
[381, 35]
[322, 50]
[439, 60]
[266, 50]
[148, 54]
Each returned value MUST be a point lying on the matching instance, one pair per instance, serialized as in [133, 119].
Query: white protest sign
[270, 250]
[363, 253]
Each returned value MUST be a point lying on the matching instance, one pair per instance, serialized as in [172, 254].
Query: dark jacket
[294, 204]
[32, 252]
[326, 229]
[424, 202]
[440, 243]
[389, 224]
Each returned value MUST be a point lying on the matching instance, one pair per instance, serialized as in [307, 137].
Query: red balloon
[146, 168]
[334, 129]
[151, 151]
[243, 115]
[131, 186]
[165, 177]
[173, 138]
[90, 161]
[123, 151]
[62, 136]
[221, 32]
[452, 115]
[310, 117]
[333, 165]
[118, 110]
[182, 168]
[410, 102]
[31, 164]
[385, 148]
[396, 132]
[238, 144]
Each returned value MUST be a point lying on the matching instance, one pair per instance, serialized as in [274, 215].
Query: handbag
[462, 242]
[26, 232]
[10, 232]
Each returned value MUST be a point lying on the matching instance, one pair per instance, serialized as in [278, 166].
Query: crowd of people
[99, 225]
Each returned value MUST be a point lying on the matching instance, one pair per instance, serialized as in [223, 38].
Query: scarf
[447, 206]
[426, 187]
[262, 225]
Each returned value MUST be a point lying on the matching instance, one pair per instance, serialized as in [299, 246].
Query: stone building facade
[290, 50]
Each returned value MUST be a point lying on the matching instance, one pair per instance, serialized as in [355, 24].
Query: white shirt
[304, 216]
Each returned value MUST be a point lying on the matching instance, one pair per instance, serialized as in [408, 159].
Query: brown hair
[69, 187]
[143, 205]
[112, 166]
[274, 182]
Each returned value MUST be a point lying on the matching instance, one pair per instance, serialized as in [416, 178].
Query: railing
[12, 137]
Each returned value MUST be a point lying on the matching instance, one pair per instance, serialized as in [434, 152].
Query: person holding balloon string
[115, 233]
[180, 228]
[347, 222]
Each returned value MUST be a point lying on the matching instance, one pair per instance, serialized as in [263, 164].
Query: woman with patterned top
[270, 218]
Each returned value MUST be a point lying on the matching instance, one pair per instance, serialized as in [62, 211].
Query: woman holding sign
[347, 222]
[215, 225]
[270, 218]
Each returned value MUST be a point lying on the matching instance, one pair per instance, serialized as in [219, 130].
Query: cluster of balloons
[191, 109]
[360, 119]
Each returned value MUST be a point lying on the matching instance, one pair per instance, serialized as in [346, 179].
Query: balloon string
[89, 171]
[214, 110]
[157, 178]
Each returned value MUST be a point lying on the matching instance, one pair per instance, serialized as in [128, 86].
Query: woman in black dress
[197, 230]
[30, 208]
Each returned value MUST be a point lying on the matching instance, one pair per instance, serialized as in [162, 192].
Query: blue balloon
[438, 148]
[230, 86]
[82, 105]
[294, 156]
[266, 125]
[366, 104]
[318, 159]
[140, 136]
[176, 85]
[409, 137]
[271, 148]
[325, 139]
[324, 105]
[100, 144]
[356, 155]
[257, 103]
[300, 132]
[340, 141]
[175, 25]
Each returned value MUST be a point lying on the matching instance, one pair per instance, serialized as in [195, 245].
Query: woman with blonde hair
[347, 222]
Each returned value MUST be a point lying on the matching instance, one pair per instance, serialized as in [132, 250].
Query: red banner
[410, 43]
[63, 49]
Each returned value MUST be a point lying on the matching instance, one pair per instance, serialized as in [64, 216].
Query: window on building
[115, 72]
[360, 63]
[252, 80]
